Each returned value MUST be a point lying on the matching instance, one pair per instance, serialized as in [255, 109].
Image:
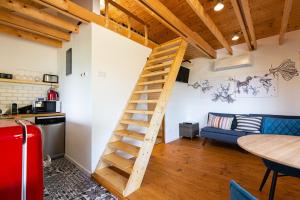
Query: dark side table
[188, 129]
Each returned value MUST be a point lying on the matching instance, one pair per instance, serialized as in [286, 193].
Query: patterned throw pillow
[248, 124]
[220, 122]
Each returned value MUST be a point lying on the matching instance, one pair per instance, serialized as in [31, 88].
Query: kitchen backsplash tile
[21, 94]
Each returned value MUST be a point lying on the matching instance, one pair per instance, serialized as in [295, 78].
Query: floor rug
[63, 181]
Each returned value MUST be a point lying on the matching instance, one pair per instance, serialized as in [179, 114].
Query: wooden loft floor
[186, 170]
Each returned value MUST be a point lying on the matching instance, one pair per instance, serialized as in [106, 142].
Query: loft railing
[130, 16]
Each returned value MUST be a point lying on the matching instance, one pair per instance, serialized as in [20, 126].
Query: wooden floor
[185, 169]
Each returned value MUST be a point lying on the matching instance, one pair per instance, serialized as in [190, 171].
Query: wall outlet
[101, 74]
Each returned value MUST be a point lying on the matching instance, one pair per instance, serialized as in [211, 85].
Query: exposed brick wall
[22, 94]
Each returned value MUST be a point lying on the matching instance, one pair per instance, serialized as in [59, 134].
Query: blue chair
[239, 193]
[283, 127]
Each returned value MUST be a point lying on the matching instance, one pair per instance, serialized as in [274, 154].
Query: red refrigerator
[21, 167]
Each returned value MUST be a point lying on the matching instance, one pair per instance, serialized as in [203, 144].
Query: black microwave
[46, 106]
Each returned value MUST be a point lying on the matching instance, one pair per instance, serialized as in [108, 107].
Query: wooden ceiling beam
[124, 10]
[33, 12]
[24, 24]
[61, 6]
[247, 15]
[241, 21]
[205, 18]
[30, 36]
[285, 19]
[165, 16]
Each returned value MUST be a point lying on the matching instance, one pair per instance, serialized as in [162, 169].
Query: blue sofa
[231, 136]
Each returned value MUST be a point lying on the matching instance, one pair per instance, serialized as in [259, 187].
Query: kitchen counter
[20, 116]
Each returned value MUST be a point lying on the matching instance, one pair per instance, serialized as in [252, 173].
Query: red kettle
[53, 95]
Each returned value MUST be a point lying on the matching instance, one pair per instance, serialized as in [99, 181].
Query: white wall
[21, 57]
[94, 103]
[117, 63]
[19, 54]
[92, 5]
[76, 97]
[187, 104]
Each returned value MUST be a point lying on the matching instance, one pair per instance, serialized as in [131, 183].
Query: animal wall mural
[287, 69]
[217, 89]
[224, 94]
[255, 86]
[228, 90]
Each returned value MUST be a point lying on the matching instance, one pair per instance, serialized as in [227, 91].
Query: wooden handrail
[129, 17]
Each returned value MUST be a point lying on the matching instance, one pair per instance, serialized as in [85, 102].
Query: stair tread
[164, 51]
[146, 112]
[148, 91]
[143, 101]
[110, 179]
[170, 43]
[168, 57]
[119, 162]
[135, 122]
[131, 134]
[157, 73]
[160, 81]
[152, 66]
[158, 66]
[128, 148]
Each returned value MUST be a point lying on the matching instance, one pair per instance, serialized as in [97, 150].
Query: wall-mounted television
[183, 75]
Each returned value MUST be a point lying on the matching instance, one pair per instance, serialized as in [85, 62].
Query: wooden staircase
[122, 167]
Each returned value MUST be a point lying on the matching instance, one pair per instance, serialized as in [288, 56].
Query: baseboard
[81, 168]
[168, 140]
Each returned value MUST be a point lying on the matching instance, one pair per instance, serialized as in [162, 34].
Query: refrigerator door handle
[24, 158]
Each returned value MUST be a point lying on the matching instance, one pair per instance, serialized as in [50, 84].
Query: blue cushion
[281, 126]
[223, 131]
[239, 193]
[220, 137]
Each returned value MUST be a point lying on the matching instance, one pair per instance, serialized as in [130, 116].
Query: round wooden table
[282, 149]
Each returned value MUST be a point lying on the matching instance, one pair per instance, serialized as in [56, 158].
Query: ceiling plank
[242, 24]
[285, 19]
[34, 27]
[30, 11]
[30, 36]
[164, 15]
[199, 10]
[246, 11]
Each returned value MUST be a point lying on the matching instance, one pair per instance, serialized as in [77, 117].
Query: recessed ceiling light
[219, 6]
[235, 37]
